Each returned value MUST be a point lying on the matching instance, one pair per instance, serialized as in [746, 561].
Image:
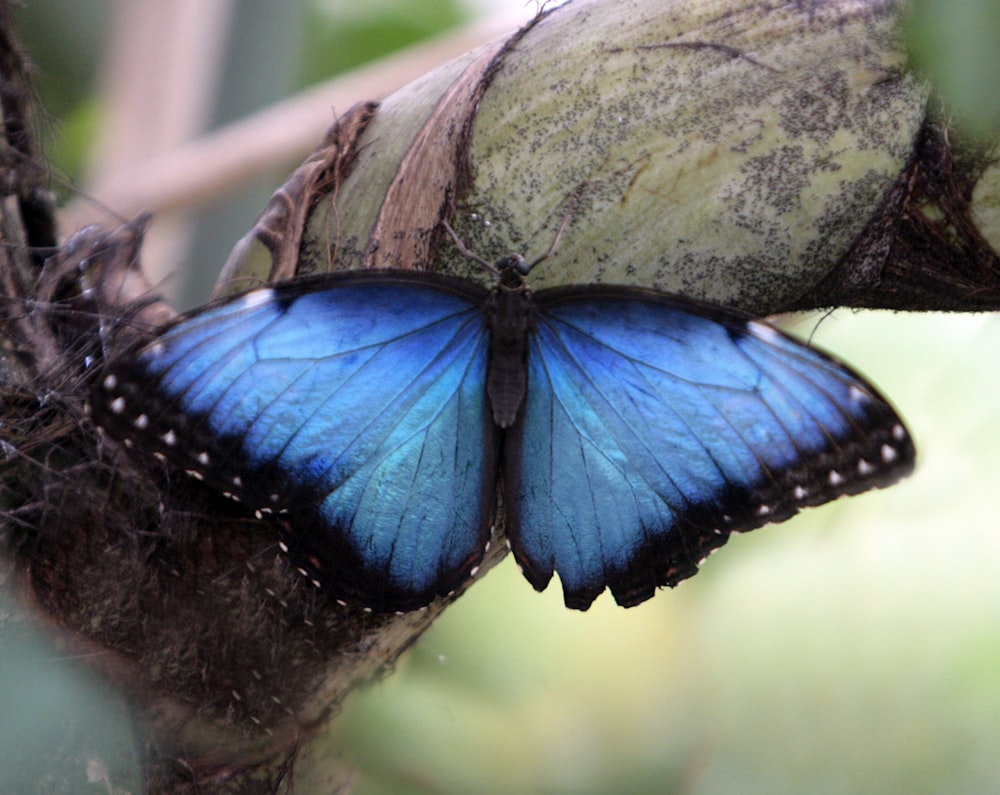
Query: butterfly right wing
[654, 427]
[352, 405]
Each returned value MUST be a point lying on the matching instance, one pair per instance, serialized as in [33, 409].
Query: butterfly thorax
[510, 313]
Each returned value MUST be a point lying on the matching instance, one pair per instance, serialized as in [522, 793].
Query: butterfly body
[631, 431]
[510, 314]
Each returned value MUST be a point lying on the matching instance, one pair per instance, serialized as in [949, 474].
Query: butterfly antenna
[467, 252]
[555, 241]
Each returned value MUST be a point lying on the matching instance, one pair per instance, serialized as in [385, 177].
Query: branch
[768, 158]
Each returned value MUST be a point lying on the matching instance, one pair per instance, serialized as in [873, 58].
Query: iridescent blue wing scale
[654, 427]
[353, 406]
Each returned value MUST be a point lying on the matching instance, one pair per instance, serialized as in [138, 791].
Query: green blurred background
[853, 649]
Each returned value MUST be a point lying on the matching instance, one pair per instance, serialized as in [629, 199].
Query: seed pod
[740, 152]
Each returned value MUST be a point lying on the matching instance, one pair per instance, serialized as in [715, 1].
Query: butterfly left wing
[353, 406]
[654, 427]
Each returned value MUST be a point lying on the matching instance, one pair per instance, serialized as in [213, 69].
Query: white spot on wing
[110, 382]
[117, 405]
[888, 453]
[255, 299]
[764, 332]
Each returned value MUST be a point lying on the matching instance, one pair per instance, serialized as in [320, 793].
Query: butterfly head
[512, 271]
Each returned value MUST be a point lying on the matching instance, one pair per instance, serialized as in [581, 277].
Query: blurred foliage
[853, 649]
[327, 37]
[61, 732]
[64, 42]
[338, 35]
[956, 45]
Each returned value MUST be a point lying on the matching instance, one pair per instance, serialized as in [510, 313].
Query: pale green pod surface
[729, 150]
[725, 149]
[985, 204]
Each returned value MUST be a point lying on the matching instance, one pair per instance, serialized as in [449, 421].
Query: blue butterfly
[383, 415]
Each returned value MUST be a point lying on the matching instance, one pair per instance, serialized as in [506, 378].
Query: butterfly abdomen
[511, 317]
